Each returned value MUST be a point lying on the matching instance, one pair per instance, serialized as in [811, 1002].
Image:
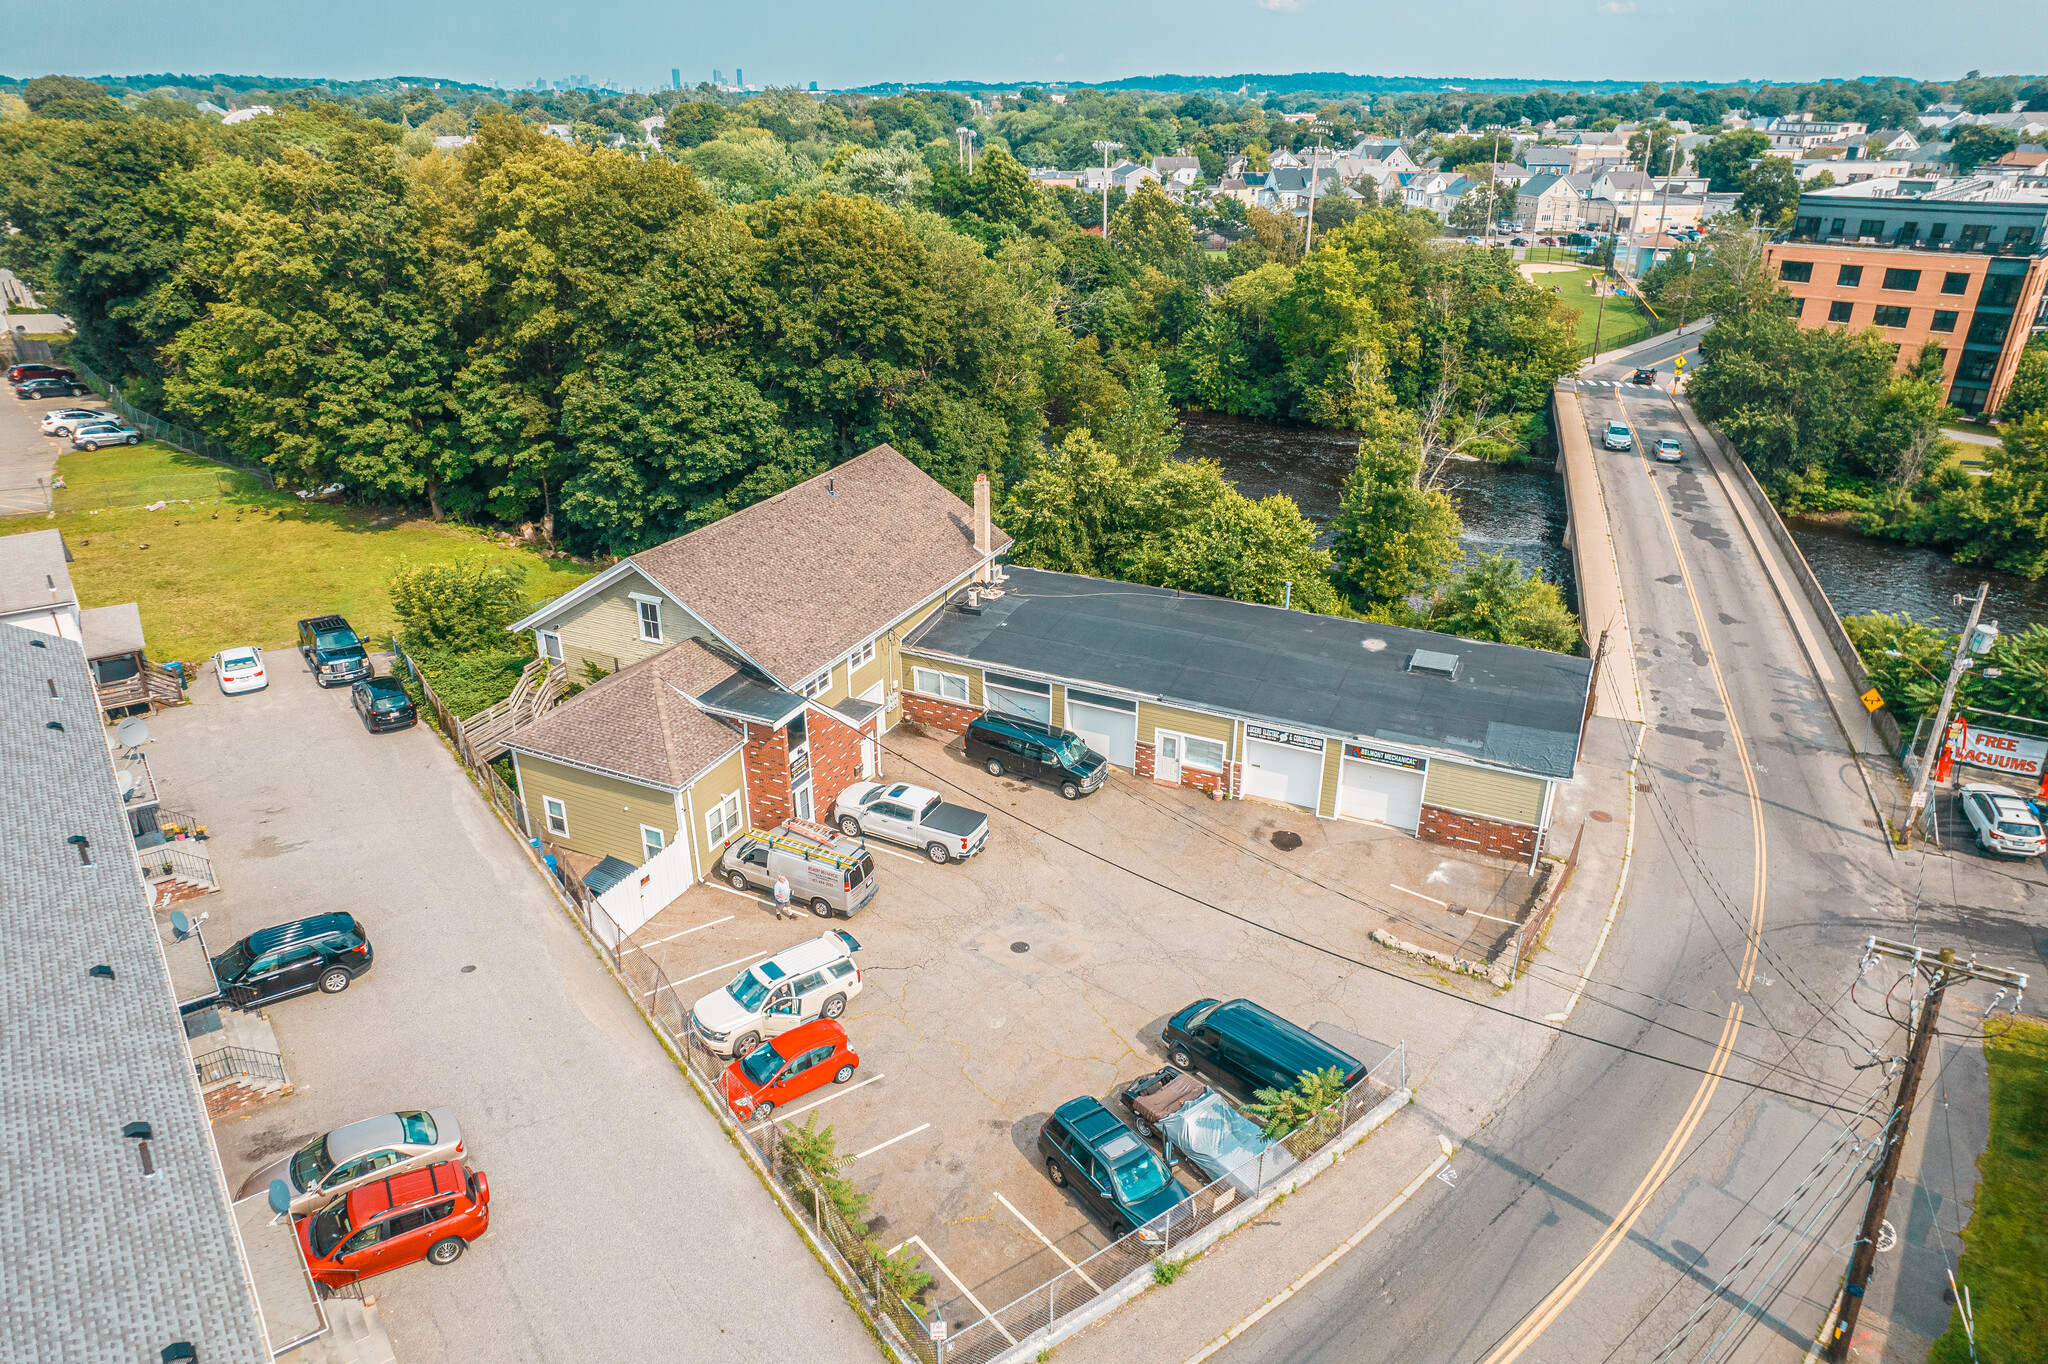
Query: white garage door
[1390, 795]
[1112, 733]
[1025, 705]
[1283, 772]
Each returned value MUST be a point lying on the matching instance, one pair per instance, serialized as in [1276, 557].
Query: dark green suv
[1088, 1149]
[324, 952]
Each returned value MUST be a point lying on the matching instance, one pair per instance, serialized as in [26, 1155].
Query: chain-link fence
[170, 433]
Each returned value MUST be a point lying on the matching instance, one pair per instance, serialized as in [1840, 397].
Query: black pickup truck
[332, 650]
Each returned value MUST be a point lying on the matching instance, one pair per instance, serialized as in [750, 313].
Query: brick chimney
[983, 536]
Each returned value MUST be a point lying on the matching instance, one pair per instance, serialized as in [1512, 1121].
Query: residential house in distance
[1383, 159]
[1961, 262]
[1436, 191]
[36, 594]
[1797, 134]
[1547, 204]
[1177, 170]
[1047, 177]
[1124, 175]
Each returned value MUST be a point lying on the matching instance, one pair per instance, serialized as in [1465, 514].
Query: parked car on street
[1618, 437]
[1119, 1178]
[49, 388]
[1519, 241]
[62, 421]
[912, 816]
[1252, 1045]
[781, 1072]
[1036, 752]
[240, 670]
[1668, 451]
[814, 979]
[332, 650]
[375, 1148]
[324, 952]
[827, 873]
[2002, 821]
[431, 1214]
[92, 435]
[383, 704]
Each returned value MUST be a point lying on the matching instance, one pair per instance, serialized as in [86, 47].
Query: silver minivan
[827, 873]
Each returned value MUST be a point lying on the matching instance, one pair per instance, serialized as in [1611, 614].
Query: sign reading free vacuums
[2002, 752]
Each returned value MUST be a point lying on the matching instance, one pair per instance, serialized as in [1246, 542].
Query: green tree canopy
[1725, 159]
[1392, 537]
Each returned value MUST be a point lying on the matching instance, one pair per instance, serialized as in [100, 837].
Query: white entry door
[1166, 757]
[1286, 773]
[1387, 795]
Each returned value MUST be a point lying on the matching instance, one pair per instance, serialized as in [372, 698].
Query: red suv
[21, 374]
[773, 1076]
[430, 1214]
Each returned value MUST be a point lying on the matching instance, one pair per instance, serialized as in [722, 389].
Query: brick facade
[767, 760]
[835, 765]
[1493, 837]
[1207, 782]
[929, 710]
[835, 757]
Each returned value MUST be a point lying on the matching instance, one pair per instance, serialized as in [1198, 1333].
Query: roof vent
[1433, 663]
[37, 644]
[52, 724]
[101, 972]
[177, 1350]
[137, 1130]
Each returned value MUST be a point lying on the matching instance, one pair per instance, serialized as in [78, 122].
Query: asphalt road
[624, 1226]
[1601, 1205]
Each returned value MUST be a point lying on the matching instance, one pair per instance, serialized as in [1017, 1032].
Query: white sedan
[62, 421]
[240, 670]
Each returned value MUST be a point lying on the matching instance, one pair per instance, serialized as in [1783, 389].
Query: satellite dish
[280, 1197]
[133, 731]
[181, 927]
[126, 781]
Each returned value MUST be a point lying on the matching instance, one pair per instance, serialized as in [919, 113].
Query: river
[1519, 510]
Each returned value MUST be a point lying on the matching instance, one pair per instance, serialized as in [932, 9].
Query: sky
[838, 43]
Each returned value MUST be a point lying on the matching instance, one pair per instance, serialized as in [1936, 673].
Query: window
[549, 645]
[1850, 276]
[1937, 232]
[861, 657]
[2000, 291]
[1887, 316]
[946, 686]
[1955, 282]
[1974, 234]
[1943, 322]
[1906, 281]
[2018, 236]
[650, 619]
[1977, 367]
[1906, 233]
[818, 685]
[1840, 312]
[1836, 225]
[1797, 271]
[1870, 227]
[723, 822]
[1206, 754]
[558, 816]
[652, 841]
[1806, 227]
[1988, 329]
[1798, 307]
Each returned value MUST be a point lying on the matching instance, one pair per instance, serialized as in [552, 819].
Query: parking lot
[623, 1226]
[1045, 968]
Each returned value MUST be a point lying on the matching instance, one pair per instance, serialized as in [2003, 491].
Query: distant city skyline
[513, 43]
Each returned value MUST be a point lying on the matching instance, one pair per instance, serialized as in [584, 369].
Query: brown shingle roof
[640, 722]
[802, 578]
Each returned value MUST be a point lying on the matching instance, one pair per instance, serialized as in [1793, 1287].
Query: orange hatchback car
[775, 1074]
[431, 1214]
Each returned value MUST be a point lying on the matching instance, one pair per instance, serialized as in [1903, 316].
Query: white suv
[814, 979]
[2002, 821]
[1619, 437]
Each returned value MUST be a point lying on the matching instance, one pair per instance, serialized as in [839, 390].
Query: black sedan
[383, 704]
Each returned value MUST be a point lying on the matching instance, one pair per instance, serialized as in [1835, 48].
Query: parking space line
[964, 1289]
[837, 1093]
[701, 974]
[893, 853]
[1047, 1239]
[743, 894]
[1420, 896]
[892, 1141]
[686, 932]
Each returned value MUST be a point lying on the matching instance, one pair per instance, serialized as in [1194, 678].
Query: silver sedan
[328, 1167]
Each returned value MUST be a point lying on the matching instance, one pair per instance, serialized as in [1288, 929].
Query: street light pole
[1106, 148]
[1310, 244]
[1956, 670]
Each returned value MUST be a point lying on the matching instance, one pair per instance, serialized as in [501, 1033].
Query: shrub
[1282, 1111]
[457, 607]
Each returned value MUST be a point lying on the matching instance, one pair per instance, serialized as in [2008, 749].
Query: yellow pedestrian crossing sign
[1679, 363]
[1871, 700]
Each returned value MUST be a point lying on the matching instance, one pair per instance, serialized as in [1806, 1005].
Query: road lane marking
[1547, 1311]
[642, 947]
[1047, 1239]
[967, 1292]
[782, 1115]
[737, 961]
[1351, 1243]
[891, 1142]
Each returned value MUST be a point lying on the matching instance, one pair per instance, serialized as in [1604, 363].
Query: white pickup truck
[913, 816]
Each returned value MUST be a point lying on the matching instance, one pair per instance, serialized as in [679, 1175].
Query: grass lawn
[1568, 255]
[228, 561]
[2005, 1247]
[1623, 323]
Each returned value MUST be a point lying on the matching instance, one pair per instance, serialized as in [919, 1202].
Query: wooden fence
[540, 687]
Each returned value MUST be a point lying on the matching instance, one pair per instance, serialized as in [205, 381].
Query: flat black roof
[1508, 706]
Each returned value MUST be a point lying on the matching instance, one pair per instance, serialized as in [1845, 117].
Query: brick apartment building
[1961, 262]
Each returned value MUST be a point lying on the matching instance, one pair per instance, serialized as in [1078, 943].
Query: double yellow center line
[1539, 1319]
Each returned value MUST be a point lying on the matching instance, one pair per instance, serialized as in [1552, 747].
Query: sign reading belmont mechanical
[2000, 751]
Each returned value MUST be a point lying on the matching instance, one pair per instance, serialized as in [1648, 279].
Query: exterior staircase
[237, 1063]
[355, 1335]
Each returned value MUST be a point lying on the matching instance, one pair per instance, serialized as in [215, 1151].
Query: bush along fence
[170, 433]
[495, 788]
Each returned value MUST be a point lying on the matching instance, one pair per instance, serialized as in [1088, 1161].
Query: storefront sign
[800, 769]
[2000, 751]
[1281, 736]
[1379, 755]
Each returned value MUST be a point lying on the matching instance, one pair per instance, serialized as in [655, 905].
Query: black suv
[383, 704]
[332, 650]
[1005, 743]
[1087, 1148]
[325, 952]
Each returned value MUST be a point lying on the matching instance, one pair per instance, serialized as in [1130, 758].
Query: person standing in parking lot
[782, 906]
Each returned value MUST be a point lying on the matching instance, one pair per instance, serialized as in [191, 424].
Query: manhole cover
[1286, 841]
[1698, 769]
[1020, 947]
[1599, 816]
[467, 969]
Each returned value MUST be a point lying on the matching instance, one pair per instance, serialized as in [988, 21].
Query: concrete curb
[1138, 1280]
[1602, 608]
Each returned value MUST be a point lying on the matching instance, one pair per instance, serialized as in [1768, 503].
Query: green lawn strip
[1622, 324]
[243, 565]
[2005, 1247]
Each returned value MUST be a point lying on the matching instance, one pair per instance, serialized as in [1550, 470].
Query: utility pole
[1942, 972]
[1961, 665]
[1106, 148]
[1310, 245]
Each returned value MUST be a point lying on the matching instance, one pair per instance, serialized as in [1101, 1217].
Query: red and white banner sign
[2002, 752]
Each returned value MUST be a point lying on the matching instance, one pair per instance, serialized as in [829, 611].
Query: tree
[1770, 192]
[460, 606]
[2002, 519]
[49, 89]
[1494, 599]
[1248, 551]
[690, 124]
[2029, 391]
[1151, 227]
[1281, 1111]
[1726, 158]
[1392, 537]
[1144, 431]
[1976, 143]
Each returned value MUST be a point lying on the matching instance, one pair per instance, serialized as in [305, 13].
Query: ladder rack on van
[813, 842]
